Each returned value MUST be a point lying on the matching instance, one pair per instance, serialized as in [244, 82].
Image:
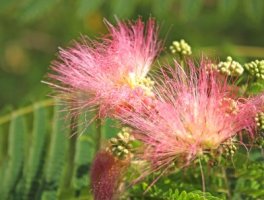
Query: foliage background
[32, 30]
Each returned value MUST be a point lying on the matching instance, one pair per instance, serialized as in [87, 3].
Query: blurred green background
[32, 30]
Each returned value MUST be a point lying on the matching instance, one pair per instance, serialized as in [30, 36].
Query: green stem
[183, 68]
[98, 136]
[202, 174]
[182, 62]
[226, 182]
[72, 149]
[248, 85]
[26, 110]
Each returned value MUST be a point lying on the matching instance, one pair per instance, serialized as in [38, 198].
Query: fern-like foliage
[37, 151]
[12, 172]
[55, 164]
[158, 193]
[250, 182]
[36, 163]
[83, 158]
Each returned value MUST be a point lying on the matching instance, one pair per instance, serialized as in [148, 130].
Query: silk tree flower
[193, 113]
[107, 73]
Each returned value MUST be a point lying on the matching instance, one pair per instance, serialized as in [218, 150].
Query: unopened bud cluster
[260, 125]
[120, 146]
[256, 68]
[260, 141]
[181, 47]
[220, 155]
[230, 67]
[260, 121]
[229, 149]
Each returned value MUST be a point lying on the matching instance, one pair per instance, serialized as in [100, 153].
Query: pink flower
[192, 113]
[105, 73]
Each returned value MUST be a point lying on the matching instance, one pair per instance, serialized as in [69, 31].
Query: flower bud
[256, 69]
[182, 48]
[121, 144]
[230, 67]
[106, 172]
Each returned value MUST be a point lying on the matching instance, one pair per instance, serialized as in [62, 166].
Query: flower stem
[202, 174]
[226, 182]
[98, 136]
[71, 150]
[182, 62]
[26, 110]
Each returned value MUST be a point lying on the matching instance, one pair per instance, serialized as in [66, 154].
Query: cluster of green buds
[220, 155]
[229, 149]
[260, 141]
[121, 145]
[256, 68]
[230, 67]
[260, 121]
[260, 125]
[181, 47]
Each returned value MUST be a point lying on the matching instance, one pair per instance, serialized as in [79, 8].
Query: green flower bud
[181, 47]
[260, 126]
[260, 121]
[120, 146]
[229, 149]
[230, 67]
[255, 68]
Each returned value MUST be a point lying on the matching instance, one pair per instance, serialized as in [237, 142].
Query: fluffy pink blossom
[106, 73]
[192, 113]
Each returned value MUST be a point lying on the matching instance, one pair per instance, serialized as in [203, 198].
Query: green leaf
[240, 159]
[3, 169]
[256, 88]
[183, 195]
[84, 153]
[110, 128]
[16, 149]
[34, 166]
[2, 145]
[250, 181]
[57, 155]
[3, 158]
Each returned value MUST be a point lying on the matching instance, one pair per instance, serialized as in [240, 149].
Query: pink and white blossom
[106, 73]
[191, 114]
